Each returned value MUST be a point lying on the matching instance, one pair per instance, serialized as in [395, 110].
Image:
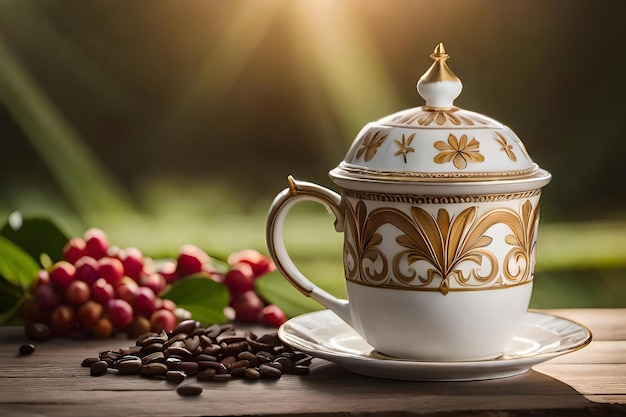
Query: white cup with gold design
[439, 207]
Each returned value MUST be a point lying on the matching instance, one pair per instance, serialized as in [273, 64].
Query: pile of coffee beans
[215, 353]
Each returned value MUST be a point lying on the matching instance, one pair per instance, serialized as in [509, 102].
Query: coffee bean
[189, 389]
[205, 357]
[212, 349]
[98, 368]
[154, 368]
[132, 350]
[252, 373]
[286, 363]
[206, 374]
[248, 356]
[128, 366]
[213, 331]
[205, 340]
[264, 357]
[189, 368]
[218, 366]
[276, 365]
[86, 363]
[175, 377]
[151, 348]
[235, 348]
[269, 371]
[230, 337]
[300, 370]
[222, 377]
[192, 343]
[180, 337]
[173, 363]
[242, 363]
[227, 360]
[27, 349]
[179, 351]
[271, 339]
[154, 357]
[186, 326]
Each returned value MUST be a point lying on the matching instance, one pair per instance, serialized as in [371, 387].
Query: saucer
[540, 337]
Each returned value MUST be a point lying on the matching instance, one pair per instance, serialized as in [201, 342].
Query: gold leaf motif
[459, 151]
[404, 146]
[365, 245]
[506, 148]
[442, 116]
[370, 145]
[445, 246]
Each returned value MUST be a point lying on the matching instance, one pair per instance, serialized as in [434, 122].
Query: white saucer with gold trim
[540, 337]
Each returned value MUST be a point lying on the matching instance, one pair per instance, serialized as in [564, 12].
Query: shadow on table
[529, 393]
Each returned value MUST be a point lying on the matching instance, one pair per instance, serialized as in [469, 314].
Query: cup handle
[299, 191]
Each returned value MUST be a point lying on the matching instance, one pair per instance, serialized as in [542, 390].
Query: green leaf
[11, 298]
[204, 298]
[36, 235]
[274, 289]
[16, 265]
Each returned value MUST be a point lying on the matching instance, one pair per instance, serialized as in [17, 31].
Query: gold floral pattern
[459, 151]
[426, 116]
[370, 145]
[403, 145]
[438, 250]
[506, 148]
[442, 116]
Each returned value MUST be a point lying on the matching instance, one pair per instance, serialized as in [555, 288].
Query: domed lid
[438, 142]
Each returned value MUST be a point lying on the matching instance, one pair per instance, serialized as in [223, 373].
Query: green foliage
[36, 235]
[204, 298]
[275, 290]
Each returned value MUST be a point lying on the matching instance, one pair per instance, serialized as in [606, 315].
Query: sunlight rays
[226, 59]
[352, 71]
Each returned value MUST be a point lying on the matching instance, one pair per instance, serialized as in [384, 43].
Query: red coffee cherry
[111, 269]
[240, 278]
[272, 316]
[89, 313]
[62, 320]
[133, 262]
[74, 249]
[46, 298]
[120, 312]
[96, 243]
[102, 328]
[62, 273]
[87, 269]
[144, 302]
[77, 293]
[247, 306]
[191, 260]
[102, 292]
[162, 320]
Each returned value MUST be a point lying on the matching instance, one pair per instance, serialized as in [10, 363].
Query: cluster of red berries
[99, 290]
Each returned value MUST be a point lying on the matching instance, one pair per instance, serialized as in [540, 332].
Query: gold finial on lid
[439, 86]
[439, 70]
[439, 52]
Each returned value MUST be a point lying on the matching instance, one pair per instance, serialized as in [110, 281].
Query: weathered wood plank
[604, 323]
[596, 352]
[597, 379]
[51, 382]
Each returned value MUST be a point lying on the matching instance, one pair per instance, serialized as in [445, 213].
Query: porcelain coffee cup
[439, 208]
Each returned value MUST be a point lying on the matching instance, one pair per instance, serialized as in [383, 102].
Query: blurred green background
[172, 122]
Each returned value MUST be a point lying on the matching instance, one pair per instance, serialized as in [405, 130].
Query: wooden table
[51, 382]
